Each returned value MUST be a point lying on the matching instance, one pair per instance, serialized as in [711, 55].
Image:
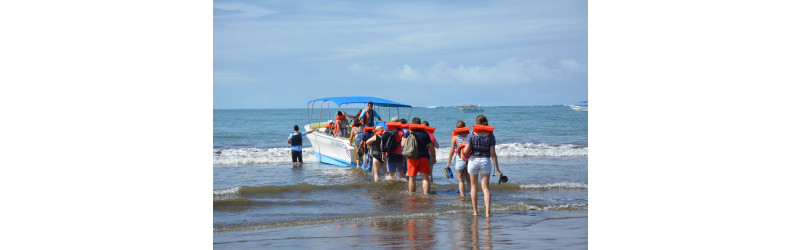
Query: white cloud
[508, 71]
[407, 73]
[358, 69]
[224, 77]
[226, 10]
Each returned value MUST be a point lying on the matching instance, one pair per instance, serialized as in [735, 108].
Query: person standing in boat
[459, 136]
[368, 114]
[296, 140]
[341, 125]
[481, 147]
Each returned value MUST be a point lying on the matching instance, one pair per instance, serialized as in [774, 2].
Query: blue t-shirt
[374, 114]
[298, 147]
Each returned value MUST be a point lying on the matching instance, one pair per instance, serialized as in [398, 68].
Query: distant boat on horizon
[469, 108]
[580, 107]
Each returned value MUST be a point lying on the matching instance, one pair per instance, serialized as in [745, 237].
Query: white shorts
[479, 166]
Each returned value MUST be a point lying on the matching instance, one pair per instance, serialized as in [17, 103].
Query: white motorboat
[580, 107]
[470, 108]
[339, 151]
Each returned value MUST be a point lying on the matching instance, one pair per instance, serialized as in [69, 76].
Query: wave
[401, 185]
[240, 156]
[455, 209]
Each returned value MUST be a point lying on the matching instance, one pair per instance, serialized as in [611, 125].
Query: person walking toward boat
[365, 148]
[394, 157]
[481, 148]
[430, 131]
[418, 155]
[356, 140]
[459, 136]
[369, 115]
[375, 152]
[295, 139]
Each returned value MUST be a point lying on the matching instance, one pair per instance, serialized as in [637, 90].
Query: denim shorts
[458, 163]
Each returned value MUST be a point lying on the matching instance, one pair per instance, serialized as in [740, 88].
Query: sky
[281, 54]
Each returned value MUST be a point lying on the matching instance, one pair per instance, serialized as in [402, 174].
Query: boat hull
[579, 108]
[332, 150]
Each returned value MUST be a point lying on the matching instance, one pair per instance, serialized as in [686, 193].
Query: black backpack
[375, 148]
[388, 142]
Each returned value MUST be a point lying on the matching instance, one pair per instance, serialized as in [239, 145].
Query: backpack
[375, 148]
[388, 142]
[410, 149]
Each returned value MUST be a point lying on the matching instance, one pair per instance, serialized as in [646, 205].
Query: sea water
[260, 200]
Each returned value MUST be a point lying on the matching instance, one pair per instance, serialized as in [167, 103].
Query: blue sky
[280, 54]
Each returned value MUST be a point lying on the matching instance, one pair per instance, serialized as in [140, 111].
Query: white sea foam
[559, 185]
[283, 155]
[227, 191]
[528, 150]
[258, 156]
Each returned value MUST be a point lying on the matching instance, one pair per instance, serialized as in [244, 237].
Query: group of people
[409, 149]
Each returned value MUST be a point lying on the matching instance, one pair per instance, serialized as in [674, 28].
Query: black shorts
[297, 156]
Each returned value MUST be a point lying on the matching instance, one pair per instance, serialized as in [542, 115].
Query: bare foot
[475, 213]
[488, 216]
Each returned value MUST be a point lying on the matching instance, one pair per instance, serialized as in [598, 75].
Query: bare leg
[412, 184]
[485, 189]
[473, 192]
[377, 168]
[426, 184]
[461, 182]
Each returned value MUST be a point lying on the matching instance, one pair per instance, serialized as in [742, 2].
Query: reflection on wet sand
[474, 232]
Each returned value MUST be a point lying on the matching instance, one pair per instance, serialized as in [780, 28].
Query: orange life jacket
[405, 125]
[393, 125]
[367, 115]
[417, 126]
[461, 130]
[483, 128]
[430, 129]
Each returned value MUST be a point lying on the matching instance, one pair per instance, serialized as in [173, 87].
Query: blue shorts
[394, 165]
[458, 163]
[479, 166]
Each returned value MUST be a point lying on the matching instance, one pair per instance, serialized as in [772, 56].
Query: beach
[260, 200]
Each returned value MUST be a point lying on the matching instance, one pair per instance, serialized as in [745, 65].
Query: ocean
[261, 201]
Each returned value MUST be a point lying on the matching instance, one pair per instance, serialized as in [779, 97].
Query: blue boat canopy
[583, 102]
[361, 99]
